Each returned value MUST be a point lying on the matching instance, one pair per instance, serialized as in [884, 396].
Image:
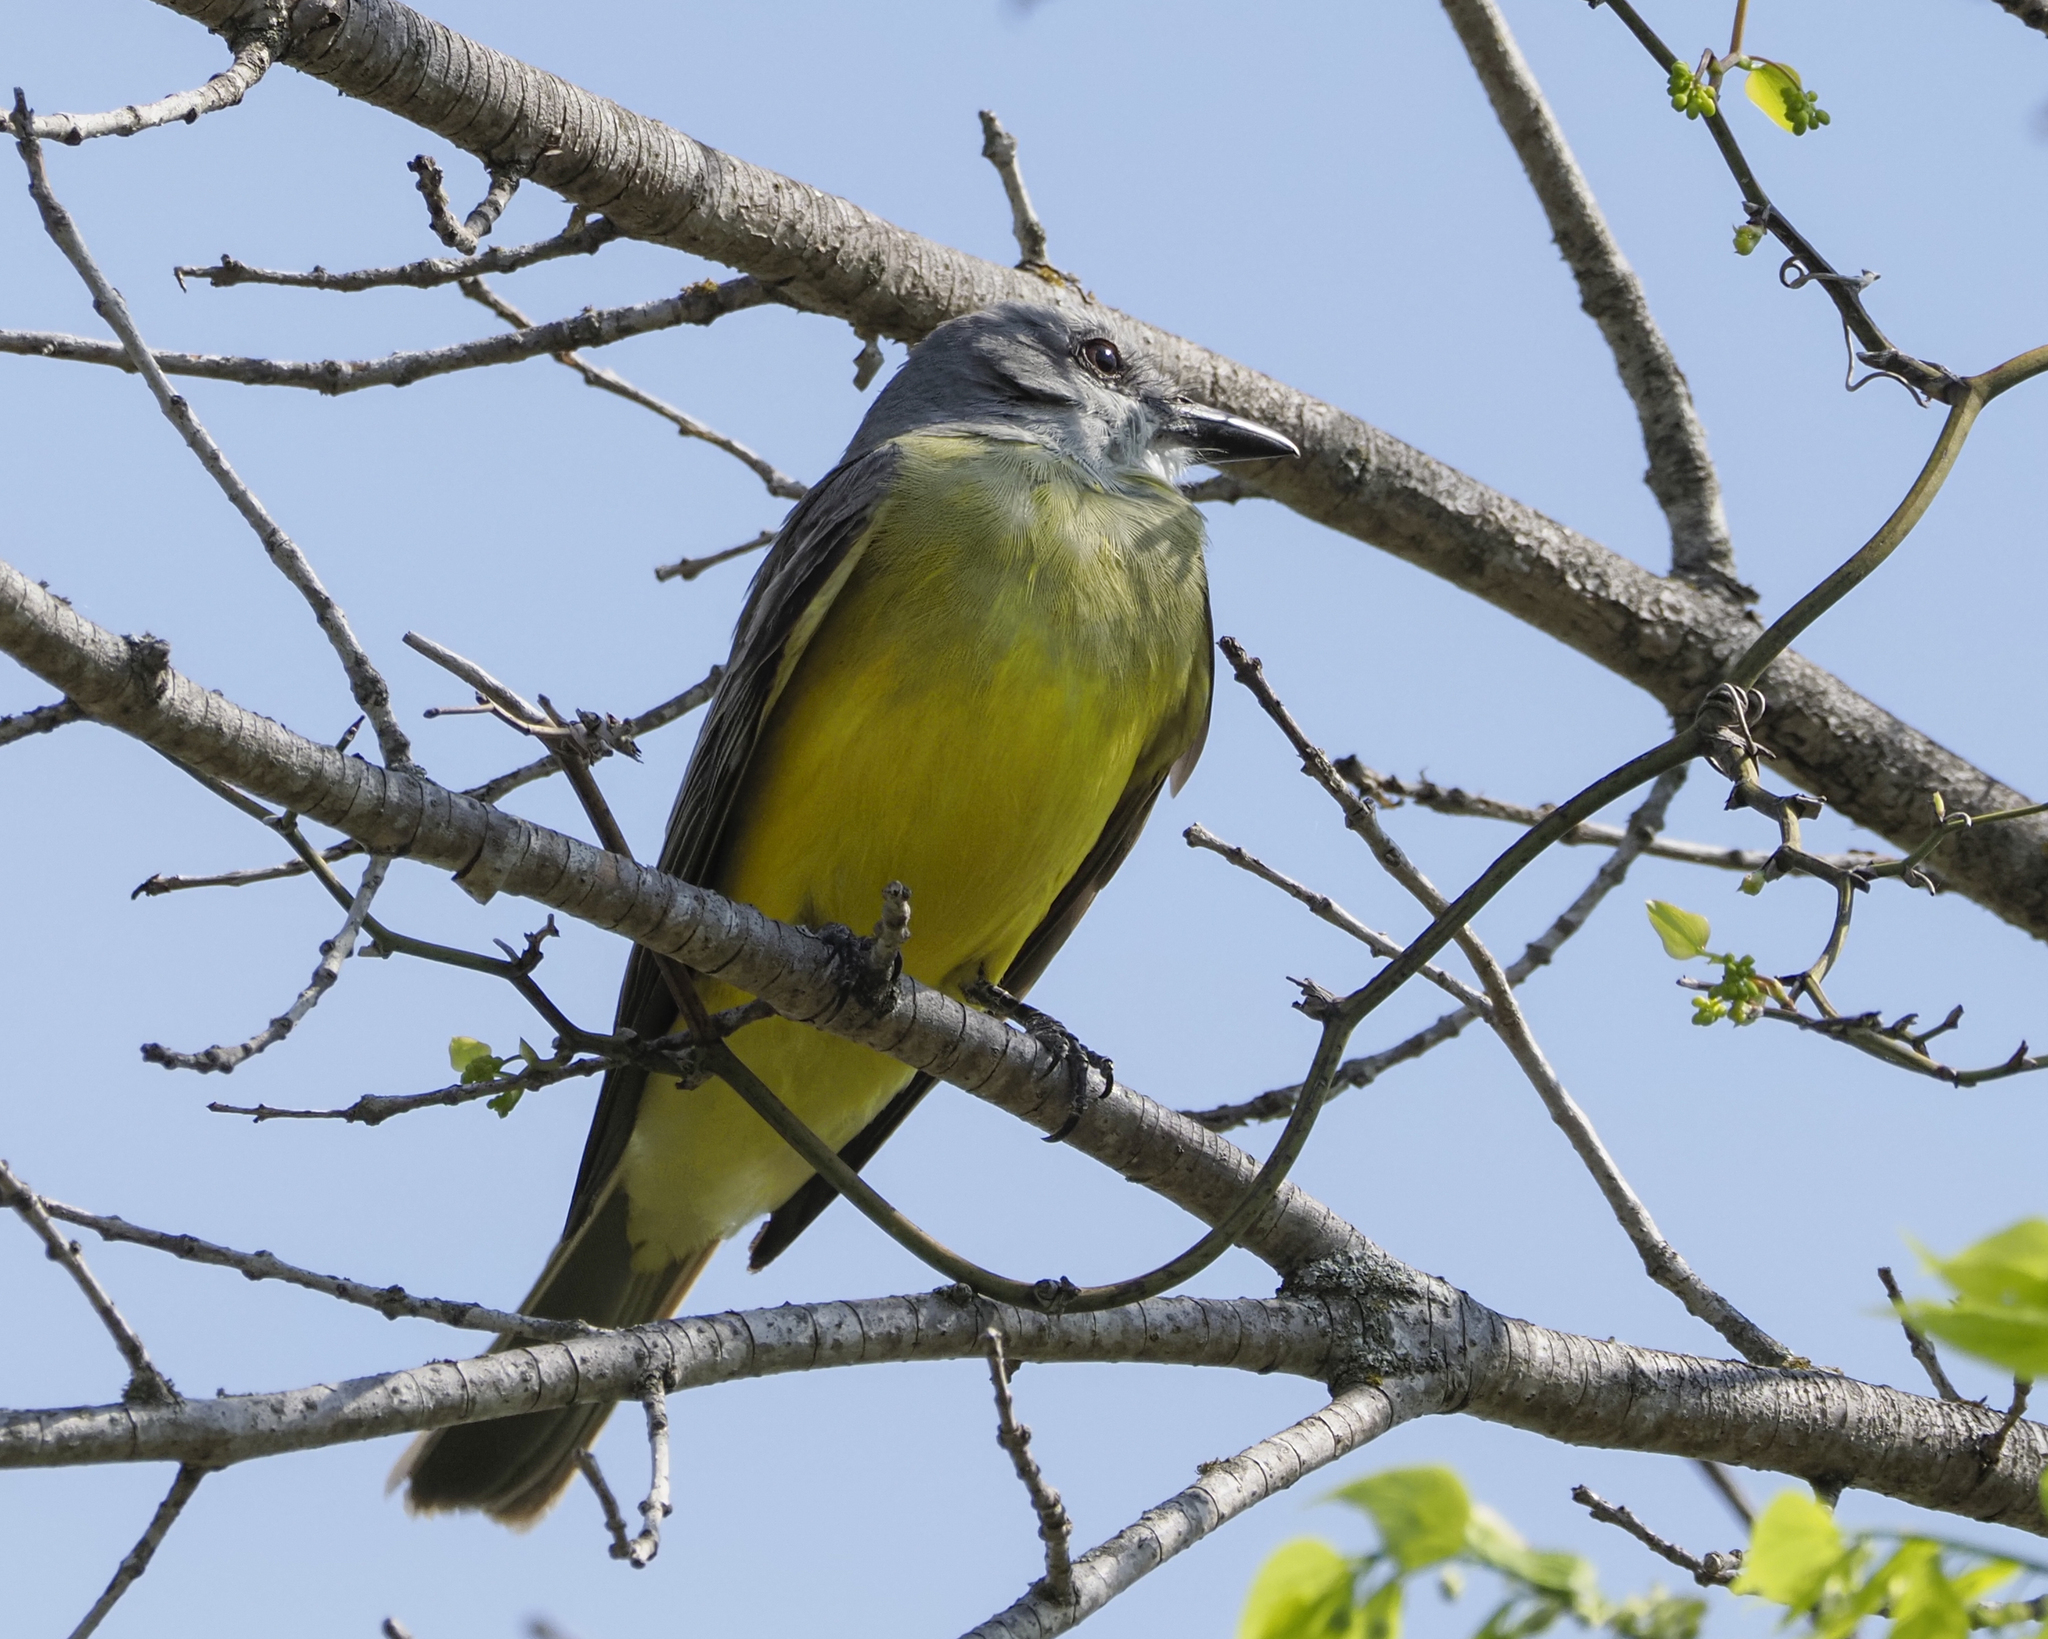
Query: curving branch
[830, 256]
[1681, 474]
[253, 57]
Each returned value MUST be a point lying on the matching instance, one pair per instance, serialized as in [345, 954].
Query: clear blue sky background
[1319, 191]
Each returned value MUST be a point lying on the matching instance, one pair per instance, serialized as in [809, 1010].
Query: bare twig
[691, 568]
[325, 972]
[1638, 837]
[1726, 1488]
[999, 148]
[373, 1109]
[1994, 1442]
[654, 1507]
[584, 237]
[146, 1385]
[598, 327]
[1681, 472]
[670, 710]
[1328, 910]
[137, 1559]
[1390, 791]
[614, 1521]
[38, 720]
[1661, 1260]
[1916, 1340]
[252, 60]
[389, 1301]
[368, 687]
[487, 687]
[1714, 1571]
[778, 482]
[465, 235]
[1226, 1489]
[1055, 1529]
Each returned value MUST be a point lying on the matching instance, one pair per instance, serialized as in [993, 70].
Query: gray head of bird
[1081, 383]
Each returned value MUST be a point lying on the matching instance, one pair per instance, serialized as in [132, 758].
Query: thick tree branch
[2034, 13]
[1370, 1322]
[1681, 474]
[130, 685]
[830, 256]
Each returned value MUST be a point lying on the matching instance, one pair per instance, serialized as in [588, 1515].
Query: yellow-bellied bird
[977, 651]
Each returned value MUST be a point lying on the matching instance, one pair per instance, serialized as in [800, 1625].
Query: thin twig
[38, 720]
[1916, 1340]
[1726, 1488]
[493, 790]
[655, 1507]
[252, 60]
[1055, 1528]
[1681, 472]
[368, 687]
[1994, 1442]
[1390, 791]
[137, 1559]
[1712, 1571]
[325, 973]
[389, 1301]
[465, 235]
[146, 1385]
[1637, 838]
[598, 327]
[1660, 1259]
[372, 1109]
[584, 237]
[1225, 1489]
[691, 568]
[1328, 910]
[614, 1521]
[999, 148]
[778, 482]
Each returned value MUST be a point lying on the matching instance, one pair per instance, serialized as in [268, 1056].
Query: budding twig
[146, 1385]
[1716, 1570]
[1055, 1529]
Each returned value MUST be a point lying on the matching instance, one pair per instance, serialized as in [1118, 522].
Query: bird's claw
[1076, 1055]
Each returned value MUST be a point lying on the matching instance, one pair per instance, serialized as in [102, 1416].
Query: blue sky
[1316, 190]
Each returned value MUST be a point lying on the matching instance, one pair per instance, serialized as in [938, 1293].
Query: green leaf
[1658, 1615]
[1421, 1512]
[1775, 88]
[1794, 1548]
[463, 1049]
[1302, 1592]
[2001, 1308]
[1380, 1616]
[1924, 1603]
[506, 1102]
[1685, 933]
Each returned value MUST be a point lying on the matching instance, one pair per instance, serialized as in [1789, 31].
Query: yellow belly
[973, 704]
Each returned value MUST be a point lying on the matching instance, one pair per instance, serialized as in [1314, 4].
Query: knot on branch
[149, 658]
[867, 968]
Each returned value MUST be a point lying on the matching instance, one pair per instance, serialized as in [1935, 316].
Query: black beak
[1212, 437]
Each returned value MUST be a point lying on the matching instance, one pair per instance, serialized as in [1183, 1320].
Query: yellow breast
[1009, 650]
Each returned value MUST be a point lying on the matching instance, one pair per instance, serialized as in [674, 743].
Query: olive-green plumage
[979, 650]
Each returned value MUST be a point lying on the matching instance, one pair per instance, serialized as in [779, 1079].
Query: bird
[978, 650]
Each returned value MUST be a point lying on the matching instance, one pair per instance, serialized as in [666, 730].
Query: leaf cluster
[473, 1061]
[1427, 1521]
[1740, 994]
[2000, 1308]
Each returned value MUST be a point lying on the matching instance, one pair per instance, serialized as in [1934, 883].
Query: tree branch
[137, 1559]
[1225, 1490]
[1681, 473]
[39, 720]
[599, 327]
[253, 56]
[129, 684]
[830, 256]
[371, 693]
[146, 1385]
[582, 238]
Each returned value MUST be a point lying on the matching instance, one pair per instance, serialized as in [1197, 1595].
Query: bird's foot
[1057, 1039]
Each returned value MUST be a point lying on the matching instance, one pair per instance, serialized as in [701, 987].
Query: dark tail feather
[513, 1468]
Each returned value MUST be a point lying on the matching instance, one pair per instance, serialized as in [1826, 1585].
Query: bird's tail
[514, 1468]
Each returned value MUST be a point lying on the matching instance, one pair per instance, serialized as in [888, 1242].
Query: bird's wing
[1183, 744]
[784, 607]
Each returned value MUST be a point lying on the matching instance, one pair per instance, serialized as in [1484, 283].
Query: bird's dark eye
[1101, 354]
